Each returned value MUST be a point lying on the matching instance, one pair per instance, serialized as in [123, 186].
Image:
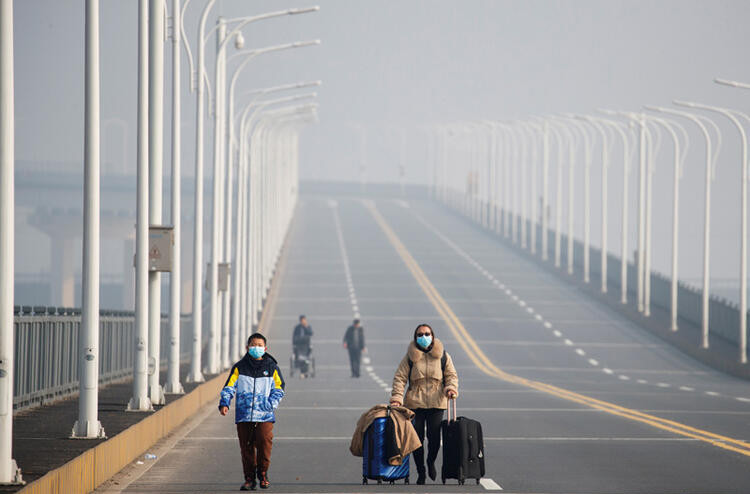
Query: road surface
[573, 398]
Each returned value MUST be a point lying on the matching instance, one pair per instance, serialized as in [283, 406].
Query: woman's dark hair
[423, 325]
[257, 336]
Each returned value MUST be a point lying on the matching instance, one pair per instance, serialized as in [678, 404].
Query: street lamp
[140, 400]
[195, 374]
[606, 143]
[214, 363]
[240, 307]
[228, 153]
[9, 471]
[711, 155]
[621, 129]
[679, 153]
[88, 426]
[732, 115]
[587, 149]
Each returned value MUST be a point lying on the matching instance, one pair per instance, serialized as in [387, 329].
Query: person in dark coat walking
[354, 341]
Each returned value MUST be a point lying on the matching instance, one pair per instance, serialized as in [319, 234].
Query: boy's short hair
[257, 336]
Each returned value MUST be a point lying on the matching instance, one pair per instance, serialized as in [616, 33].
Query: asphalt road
[573, 398]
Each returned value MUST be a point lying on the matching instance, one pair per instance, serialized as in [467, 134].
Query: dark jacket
[354, 338]
[301, 337]
[258, 386]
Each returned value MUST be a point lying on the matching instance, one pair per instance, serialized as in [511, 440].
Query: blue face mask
[256, 351]
[424, 341]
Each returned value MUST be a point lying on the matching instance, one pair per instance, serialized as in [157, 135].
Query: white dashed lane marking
[490, 485]
[522, 303]
[352, 293]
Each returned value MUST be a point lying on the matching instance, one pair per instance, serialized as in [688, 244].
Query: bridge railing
[46, 351]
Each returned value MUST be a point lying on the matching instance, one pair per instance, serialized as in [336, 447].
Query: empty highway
[573, 398]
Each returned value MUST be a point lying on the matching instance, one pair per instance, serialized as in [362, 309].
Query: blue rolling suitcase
[374, 459]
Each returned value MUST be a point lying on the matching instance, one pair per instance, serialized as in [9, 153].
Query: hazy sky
[392, 67]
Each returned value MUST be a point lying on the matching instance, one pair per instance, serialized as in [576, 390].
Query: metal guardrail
[46, 351]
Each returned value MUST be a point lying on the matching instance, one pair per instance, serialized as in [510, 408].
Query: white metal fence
[46, 351]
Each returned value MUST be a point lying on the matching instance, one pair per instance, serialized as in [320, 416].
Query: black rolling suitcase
[463, 447]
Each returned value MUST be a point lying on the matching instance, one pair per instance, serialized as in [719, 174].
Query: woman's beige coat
[428, 383]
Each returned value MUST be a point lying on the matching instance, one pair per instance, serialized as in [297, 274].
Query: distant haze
[390, 70]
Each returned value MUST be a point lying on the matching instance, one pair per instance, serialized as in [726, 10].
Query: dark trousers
[355, 356]
[256, 440]
[431, 418]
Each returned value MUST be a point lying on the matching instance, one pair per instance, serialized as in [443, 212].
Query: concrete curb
[90, 469]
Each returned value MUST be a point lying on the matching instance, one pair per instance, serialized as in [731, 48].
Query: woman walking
[427, 374]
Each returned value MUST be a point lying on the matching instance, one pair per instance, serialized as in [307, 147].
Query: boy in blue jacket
[257, 383]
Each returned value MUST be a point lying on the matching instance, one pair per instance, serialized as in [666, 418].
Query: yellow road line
[483, 362]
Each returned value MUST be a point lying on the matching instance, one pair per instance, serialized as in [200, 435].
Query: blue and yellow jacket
[259, 388]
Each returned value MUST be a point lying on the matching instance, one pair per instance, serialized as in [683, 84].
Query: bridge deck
[526, 321]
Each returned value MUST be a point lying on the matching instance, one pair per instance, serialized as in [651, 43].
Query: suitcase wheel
[364, 480]
[380, 481]
[392, 482]
[406, 480]
[443, 480]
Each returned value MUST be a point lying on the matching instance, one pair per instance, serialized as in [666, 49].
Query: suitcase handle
[452, 401]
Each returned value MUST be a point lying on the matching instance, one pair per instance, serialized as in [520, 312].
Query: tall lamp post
[732, 115]
[679, 151]
[622, 129]
[239, 286]
[587, 145]
[173, 385]
[140, 401]
[9, 471]
[88, 426]
[711, 155]
[214, 363]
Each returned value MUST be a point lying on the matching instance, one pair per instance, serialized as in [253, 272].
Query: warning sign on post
[160, 244]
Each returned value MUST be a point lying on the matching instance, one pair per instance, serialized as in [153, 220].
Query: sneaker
[264, 483]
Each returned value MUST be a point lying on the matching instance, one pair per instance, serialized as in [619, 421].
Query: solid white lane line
[490, 485]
